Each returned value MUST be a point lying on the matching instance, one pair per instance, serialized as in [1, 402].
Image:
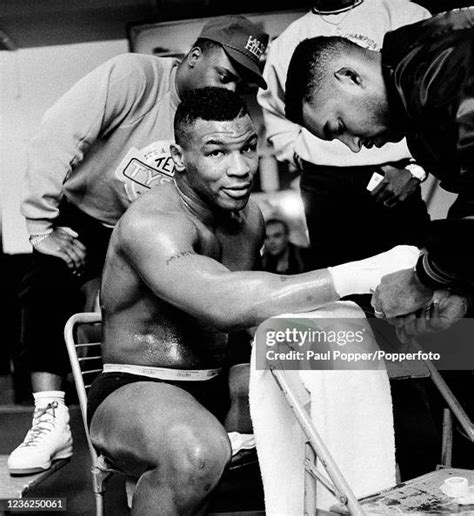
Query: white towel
[352, 412]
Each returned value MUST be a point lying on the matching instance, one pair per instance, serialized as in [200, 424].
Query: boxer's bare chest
[233, 245]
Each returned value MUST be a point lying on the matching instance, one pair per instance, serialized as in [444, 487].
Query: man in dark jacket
[420, 86]
[280, 255]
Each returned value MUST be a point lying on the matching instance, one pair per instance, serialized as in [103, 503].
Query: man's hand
[63, 243]
[445, 310]
[397, 185]
[400, 293]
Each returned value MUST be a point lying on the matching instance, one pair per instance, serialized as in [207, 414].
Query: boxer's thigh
[146, 425]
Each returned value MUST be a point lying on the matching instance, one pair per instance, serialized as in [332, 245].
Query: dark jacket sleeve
[434, 78]
[449, 258]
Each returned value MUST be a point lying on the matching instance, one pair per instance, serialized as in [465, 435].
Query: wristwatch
[416, 171]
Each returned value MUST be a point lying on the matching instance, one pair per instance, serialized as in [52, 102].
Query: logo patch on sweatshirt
[143, 169]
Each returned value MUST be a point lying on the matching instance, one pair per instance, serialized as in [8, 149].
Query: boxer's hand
[397, 185]
[363, 276]
[63, 243]
[445, 310]
[400, 293]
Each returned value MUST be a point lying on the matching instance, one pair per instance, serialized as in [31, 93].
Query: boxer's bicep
[168, 257]
[165, 254]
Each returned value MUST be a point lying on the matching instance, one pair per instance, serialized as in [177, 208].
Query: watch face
[416, 171]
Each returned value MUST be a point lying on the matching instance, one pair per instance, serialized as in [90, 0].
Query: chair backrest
[86, 362]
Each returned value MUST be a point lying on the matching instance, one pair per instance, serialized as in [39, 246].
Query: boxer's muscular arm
[163, 253]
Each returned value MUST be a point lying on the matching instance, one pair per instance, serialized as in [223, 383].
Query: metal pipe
[448, 396]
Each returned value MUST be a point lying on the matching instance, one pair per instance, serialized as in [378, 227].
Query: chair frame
[100, 470]
[315, 447]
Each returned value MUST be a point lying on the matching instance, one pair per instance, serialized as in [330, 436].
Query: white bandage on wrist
[362, 277]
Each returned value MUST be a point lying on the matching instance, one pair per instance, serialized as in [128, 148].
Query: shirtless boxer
[177, 279]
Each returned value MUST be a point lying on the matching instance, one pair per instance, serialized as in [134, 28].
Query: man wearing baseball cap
[242, 41]
[97, 149]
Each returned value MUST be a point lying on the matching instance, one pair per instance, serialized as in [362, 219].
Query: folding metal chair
[86, 364]
[336, 483]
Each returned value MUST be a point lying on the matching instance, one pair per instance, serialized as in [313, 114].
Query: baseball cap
[242, 41]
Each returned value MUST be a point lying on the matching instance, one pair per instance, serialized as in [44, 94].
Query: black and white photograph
[237, 257]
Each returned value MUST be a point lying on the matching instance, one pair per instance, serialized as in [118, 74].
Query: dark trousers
[344, 221]
[50, 294]
[346, 224]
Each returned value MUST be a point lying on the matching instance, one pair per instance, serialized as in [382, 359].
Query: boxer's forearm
[246, 299]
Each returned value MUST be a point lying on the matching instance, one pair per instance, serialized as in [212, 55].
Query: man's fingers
[402, 320]
[68, 236]
[69, 231]
[375, 192]
[391, 202]
[62, 244]
[401, 334]
[79, 250]
[64, 255]
[384, 194]
[76, 258]
[80, 247]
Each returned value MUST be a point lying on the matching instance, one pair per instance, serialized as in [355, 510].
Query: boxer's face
[357, 118]
[220, 161]
[213, 68]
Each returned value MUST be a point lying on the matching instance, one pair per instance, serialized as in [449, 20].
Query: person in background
[280, 255]
[98, 148]
[420, 86]
[346, 221]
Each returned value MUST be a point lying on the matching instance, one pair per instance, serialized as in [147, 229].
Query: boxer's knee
[196, 460]
[185, 472]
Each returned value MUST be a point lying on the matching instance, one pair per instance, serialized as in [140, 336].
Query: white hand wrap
[362, 277]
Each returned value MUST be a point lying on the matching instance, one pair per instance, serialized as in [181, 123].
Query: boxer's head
[227, 52]
[336, 90]
[216, 148]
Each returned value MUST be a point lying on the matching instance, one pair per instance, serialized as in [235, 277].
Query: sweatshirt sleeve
[281, 133]
[96, 104]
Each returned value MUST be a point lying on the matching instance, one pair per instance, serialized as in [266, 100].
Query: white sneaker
[48, 439]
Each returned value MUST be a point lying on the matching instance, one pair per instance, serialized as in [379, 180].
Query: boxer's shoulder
[154, 224]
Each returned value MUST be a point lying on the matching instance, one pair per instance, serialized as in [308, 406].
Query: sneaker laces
[43, 422]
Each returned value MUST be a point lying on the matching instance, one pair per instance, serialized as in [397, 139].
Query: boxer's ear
[177, 155]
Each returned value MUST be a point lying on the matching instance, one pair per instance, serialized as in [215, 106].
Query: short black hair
[209, 103]
[275, 220]
[308, 67]
[206, 45]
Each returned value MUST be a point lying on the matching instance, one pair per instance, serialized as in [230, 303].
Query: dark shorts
[212, 394]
